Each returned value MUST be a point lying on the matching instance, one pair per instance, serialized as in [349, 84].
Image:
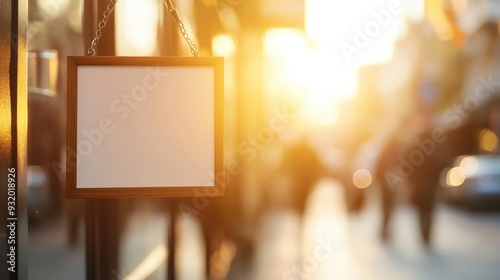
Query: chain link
[192, 46]
[175, 16]
[101, 25]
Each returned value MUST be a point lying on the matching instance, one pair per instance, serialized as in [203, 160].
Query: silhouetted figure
[303, 167]
[419, 166]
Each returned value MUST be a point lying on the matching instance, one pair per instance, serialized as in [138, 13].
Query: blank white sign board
[144, 127]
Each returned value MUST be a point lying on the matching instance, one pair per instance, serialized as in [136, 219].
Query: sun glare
[305, 75]
[136, 30]
[223, 45]
[308, 68]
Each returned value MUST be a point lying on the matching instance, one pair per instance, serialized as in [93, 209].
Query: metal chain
[171, 8]
[175, 16]
[101, 25]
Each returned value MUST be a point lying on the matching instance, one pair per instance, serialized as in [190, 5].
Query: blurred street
[342, 134]
[466, 245]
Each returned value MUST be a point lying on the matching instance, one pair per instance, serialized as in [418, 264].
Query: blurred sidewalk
[466, 245]
[330, 246]
[49, 257]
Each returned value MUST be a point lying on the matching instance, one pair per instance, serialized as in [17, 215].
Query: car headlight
[469, 165]
[455, 177]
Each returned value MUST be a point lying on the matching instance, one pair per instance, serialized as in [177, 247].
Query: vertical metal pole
[168, 46]
[13, 138]
[102, 218]
[90, 241]
[171, 273]
[89, 23]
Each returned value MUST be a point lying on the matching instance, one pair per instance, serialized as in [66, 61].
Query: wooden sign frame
[145, 127]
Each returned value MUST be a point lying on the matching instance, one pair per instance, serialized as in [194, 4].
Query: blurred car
[473, 181]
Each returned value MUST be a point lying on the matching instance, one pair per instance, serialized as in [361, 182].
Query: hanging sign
[144, 127]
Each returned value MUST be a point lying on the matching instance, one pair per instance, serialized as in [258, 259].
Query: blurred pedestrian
[304, 168]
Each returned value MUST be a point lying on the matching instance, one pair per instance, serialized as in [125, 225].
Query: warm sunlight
[305, 75]
[367, 28]
[316, 69]
[223, 45]
[136, 28]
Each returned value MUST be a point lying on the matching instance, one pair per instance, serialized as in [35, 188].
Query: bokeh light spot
[362, 178]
